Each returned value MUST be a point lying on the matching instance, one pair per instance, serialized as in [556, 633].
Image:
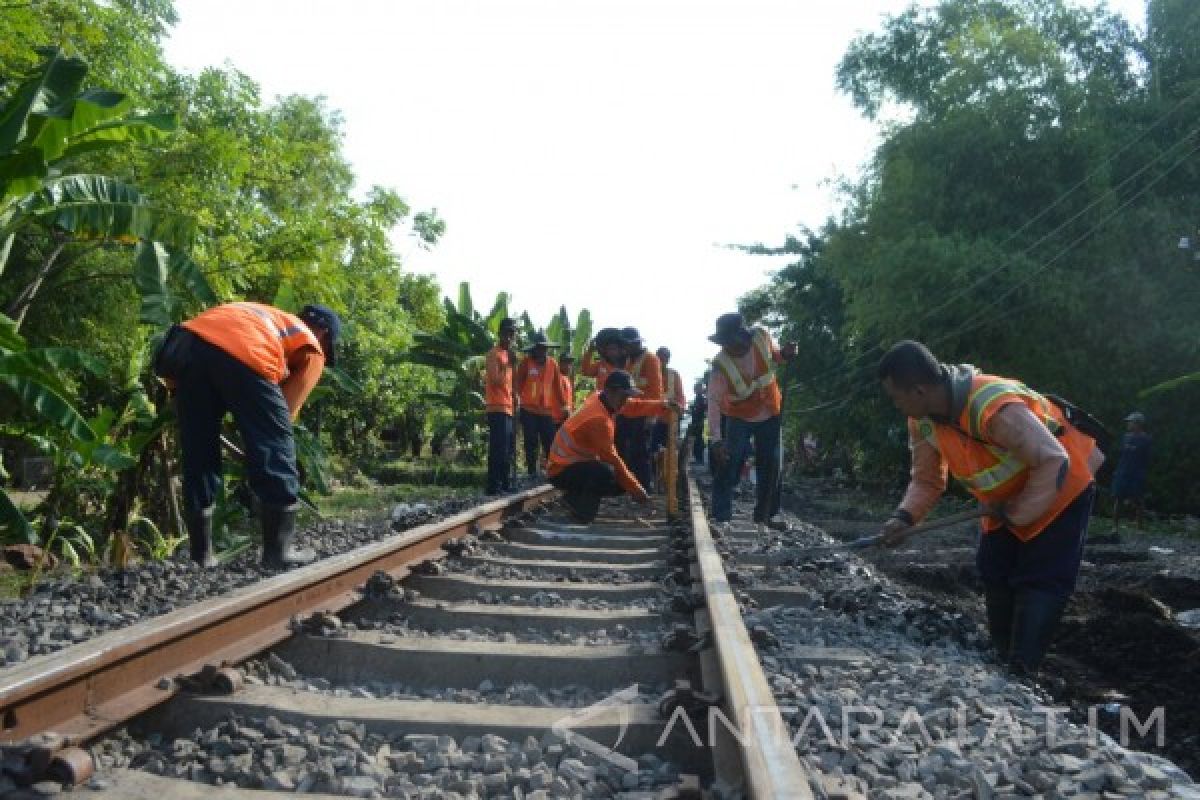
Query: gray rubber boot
[278, 529]
[1000, 602]
[199, 527]
[1035, 616]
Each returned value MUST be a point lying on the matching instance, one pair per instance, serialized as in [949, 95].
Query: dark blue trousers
[768, 465]
[1049, 562]
[212, 383]
[500, 432]
[538, 432]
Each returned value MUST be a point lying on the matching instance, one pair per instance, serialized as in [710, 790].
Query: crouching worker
[258, 363]
[583, 459]
[1017, 453]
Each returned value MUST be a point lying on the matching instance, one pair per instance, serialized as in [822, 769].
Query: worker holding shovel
[1022, 456]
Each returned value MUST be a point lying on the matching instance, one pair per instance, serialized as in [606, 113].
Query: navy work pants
[538, 431]
[211, 383]
[500, 433]
[1049, 562]
[584, 484]
[768, 466]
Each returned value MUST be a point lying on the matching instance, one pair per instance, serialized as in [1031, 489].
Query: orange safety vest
[673, 386]
[993, 474]
[750, 395]
[568, 394]
[262, 337]
[499, 398]
[539, 393]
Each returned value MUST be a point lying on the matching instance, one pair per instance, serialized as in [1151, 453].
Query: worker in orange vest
[584, 462]
[259, 363]
[603, 354]
[673, 391]
[742, 388]
[1020, 456]
[540, 393]
[566, 379]
[499, 369]
[634, 433]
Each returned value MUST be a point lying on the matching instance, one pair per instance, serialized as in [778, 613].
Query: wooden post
[671, 465]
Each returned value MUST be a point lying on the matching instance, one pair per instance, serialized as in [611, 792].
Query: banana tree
[46, 126]
[39, 406]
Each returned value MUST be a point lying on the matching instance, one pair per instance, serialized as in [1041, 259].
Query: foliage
[1020, 213]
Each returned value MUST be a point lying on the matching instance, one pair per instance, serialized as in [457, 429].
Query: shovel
[865, 542]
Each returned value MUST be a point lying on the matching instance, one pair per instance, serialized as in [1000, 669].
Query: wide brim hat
[730, 328]
[538, 340]
[1136, 416]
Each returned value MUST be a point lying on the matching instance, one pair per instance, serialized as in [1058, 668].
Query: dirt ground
[1118, 643]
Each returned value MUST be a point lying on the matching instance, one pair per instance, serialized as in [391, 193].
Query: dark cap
[620, 381]
[630, 336]
[508, 323]
[324, 317]
[730, 328]
[566, 357]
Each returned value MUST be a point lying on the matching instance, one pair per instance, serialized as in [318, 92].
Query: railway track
[501, 652]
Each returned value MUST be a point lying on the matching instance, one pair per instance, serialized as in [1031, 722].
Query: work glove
[894, 532]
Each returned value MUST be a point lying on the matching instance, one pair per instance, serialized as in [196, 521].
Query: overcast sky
[582, 152]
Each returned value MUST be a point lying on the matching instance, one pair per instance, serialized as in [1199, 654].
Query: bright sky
[582, 152]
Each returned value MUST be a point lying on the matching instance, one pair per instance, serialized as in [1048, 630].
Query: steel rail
[85, 690]
[762, 745]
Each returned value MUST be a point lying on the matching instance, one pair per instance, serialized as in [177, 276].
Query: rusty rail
[86, 690]
[760, 756]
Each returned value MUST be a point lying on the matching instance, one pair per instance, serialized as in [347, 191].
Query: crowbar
[864, 542]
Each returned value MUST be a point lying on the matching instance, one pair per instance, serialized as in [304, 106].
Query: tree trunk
[20, 305]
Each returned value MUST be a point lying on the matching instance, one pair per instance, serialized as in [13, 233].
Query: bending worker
[260, 363]
[584, 461]
[1015, 451]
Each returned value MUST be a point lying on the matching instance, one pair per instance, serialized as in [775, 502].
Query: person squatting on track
[633, 432]
[584, 462]
[539, 391]
[742, 388]
[259, 363]
[498, 401]
[1015, 451]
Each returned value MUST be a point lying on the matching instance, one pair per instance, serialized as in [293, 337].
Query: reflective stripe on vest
[984, 396]
[564, 447]
[282, 333]
[989, 479]
[740, 389]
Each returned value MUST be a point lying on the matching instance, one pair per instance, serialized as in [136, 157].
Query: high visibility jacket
[498, 381]
[588, 436]
[993, 474]
[567, 390]
[646, 372]
[538, 386]
[750, 396]
[264, 338]
[673, 387]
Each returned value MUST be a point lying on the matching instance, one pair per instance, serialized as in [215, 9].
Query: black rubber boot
[1035, 617]
[1000, 602]
[278, 528]
[199, 527]
[582, 508]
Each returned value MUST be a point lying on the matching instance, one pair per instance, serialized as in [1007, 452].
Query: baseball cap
[620, 381]
[324, 317]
